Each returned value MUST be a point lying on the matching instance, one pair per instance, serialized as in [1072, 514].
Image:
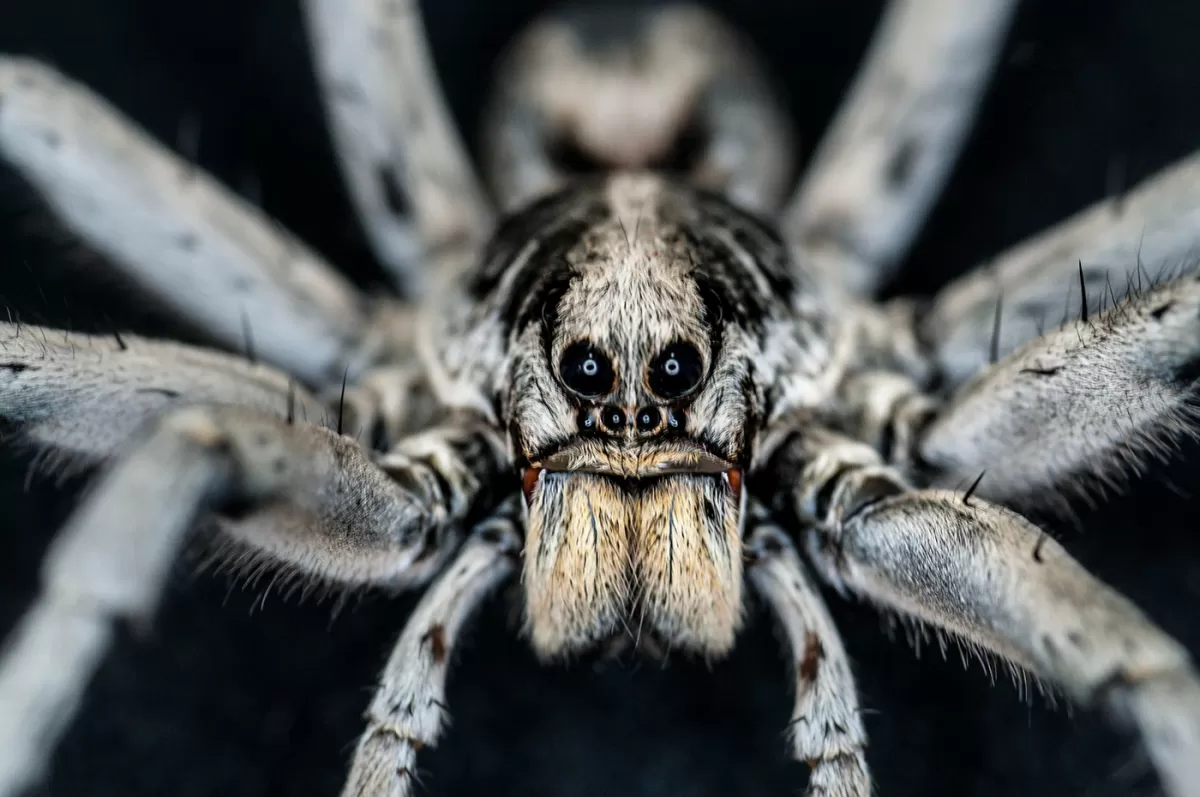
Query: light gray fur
[1084, 406]
[409, 710]
[1122, 245]
[356, 89]
[308, 500]
[110, 561]
[993, 580]
[806, 386]
[82, 397]
[884, 407]
[826, 729]
[390, 123]
[878, 170]
[108, 564]
[176, 232]
[363, 520]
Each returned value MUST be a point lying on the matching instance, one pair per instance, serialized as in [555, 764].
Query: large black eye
[676, 370]
[585, 370]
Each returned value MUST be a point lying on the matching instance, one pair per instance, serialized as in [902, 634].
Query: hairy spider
[632, 388]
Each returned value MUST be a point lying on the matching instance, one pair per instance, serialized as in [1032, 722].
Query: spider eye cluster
[589, 373]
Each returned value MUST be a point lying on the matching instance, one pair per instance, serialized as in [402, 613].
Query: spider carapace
[645, 332]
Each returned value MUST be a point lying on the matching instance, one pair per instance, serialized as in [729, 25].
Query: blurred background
[232, 693]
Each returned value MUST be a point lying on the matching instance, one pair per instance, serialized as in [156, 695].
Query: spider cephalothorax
[651, 329]
[649, 393]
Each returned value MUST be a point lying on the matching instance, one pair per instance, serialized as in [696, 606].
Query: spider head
[633, 410]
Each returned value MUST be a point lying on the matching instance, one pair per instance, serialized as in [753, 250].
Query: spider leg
[302, 495]
[225, 436]
[1079, 407]
[997, 582]
[394, 135]
[386, 404]
[882, 164]
[177, 233]
[1121, 246]
[628, 88]
[83, 397]
[409, 710]
[826, 729]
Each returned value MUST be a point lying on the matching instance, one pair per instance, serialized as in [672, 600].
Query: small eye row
[673, 373]
[646, 419]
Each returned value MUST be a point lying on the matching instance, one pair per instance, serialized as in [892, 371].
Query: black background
[223, 698]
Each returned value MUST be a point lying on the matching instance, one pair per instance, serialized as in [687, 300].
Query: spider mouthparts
[733, 478]
[529, 480]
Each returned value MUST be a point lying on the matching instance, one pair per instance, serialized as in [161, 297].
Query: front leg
[294, 495]
[1114, 249]
[826, 730]
[409, 710]
[988, 576]
[1080, 407]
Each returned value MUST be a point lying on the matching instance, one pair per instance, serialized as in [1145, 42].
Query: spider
[634, 390]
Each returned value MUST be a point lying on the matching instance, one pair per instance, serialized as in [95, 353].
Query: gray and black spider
[589, 389]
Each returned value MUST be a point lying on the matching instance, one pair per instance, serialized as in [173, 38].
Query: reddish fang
[734, 479]
[528, 481]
